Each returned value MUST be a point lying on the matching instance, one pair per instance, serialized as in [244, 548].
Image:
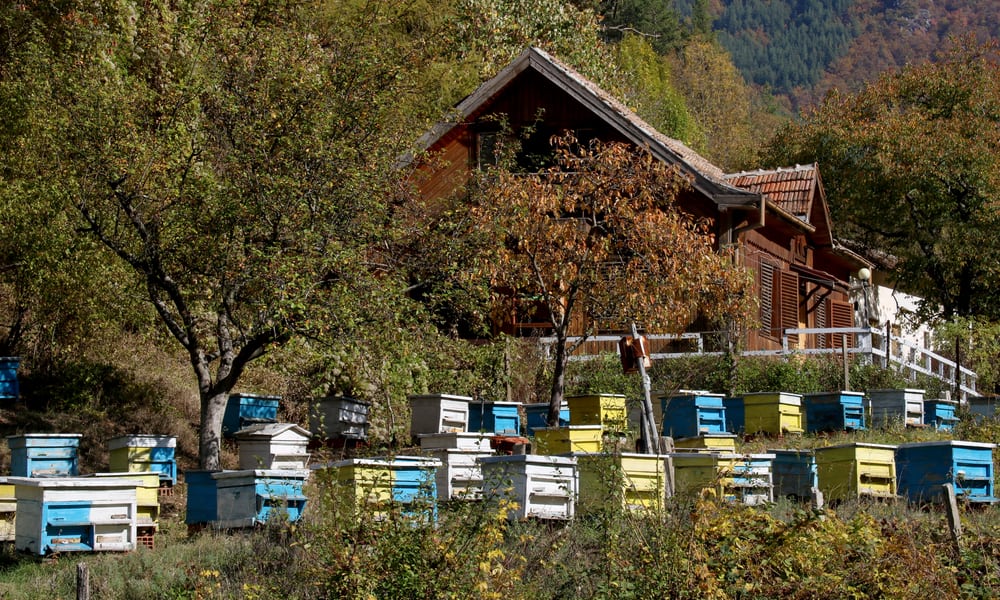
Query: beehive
[250, 497]
[984, 407]
[495, 417]
[365, 484]
[407, 485]
[74, 514]
[471, 441]
[735, 414]
[438, 413]
[536, 415]
[774, 413]
[573, 438]
[635, 411]
[858, 469]
[606, 410]
[534, 486]
[339, 417]
[142, 453]
[834, 411]
[202, 497]
[689, 416]
[147, 496]
[635, 482]
[719, 442]
[9, 387]
[244, 410]
[794, 473]
[924, 467]
[44, 454]
[744, 478]
[940, 414]
[414, 486]
[8, 510]
[459, 477]
[278, 446]
[905, 406]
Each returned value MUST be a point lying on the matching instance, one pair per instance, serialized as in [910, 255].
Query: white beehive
[438, 413]
[273, 446]
[543, 487]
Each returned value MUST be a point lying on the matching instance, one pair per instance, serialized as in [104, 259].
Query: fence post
[954, 520]
[82, 581]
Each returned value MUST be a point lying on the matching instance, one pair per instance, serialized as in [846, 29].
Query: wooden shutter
[841, 315]
[767, 299]
[821, 316]
[788, 294]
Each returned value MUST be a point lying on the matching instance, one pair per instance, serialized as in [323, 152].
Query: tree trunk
[213, 407]
[558, 382]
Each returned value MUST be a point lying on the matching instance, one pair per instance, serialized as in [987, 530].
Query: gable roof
[707, 178]
[792, 189]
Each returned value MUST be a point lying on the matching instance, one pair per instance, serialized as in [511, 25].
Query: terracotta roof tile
[789, 188]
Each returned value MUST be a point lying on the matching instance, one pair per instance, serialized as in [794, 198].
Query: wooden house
[778, 220]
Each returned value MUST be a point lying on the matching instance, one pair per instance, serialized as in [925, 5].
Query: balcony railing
[873, 345]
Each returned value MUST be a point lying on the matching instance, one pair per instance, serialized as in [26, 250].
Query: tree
[598, 235]
[911, 166]
[234, 155]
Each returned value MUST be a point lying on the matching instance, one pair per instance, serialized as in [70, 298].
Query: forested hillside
[799, 49]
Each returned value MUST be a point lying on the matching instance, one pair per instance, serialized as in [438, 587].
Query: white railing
[872, 344]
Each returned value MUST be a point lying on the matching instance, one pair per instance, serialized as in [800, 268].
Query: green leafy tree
[598, 236]
[233, 155]
[911, 166]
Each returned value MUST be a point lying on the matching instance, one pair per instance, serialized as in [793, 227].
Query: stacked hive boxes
[940, 414]
[339, 418]
[794, 473]
[536, 416]
[742, 478]
[597, 423]
[460, 476]
[834, 411]
[280, 446]
[887, 407]
[849, 471]
[635, 482]
[8, 510]
[244, 410]
[44, 454]
[382, 487]
[774, 413]
[142, 453]
[532, 485]
[926, 466]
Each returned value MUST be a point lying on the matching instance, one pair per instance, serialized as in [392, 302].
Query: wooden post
[954, 520]
[818, 503]
[82, 581]
[847, 365]
[649, 422]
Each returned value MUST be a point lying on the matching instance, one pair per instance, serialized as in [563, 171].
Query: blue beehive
[244, 410]
[250, 497]
[735, 415]
[940, 414]
[535, 416]
[691, 415]
[834, 411]
[794, 473]
[9, 388]
[44, 454]
[496, 417]
[414, 486]
[202, 499]
[922, 468]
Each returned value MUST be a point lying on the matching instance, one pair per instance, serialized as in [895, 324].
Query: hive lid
[957, 443]
[73, 482]
[271, 430]
[140, 440]
[557, 461]
[857, 445]
[263, 473]
[439, 397]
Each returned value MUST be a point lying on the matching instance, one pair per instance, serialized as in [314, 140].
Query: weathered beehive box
[142, 453]
[744, 478]
[459, 477]
[774, 413]
[74, 514]
[794, 473]
[147, 495]
[534, 486]
[9, 387]
[339, 417]
[456, 440]
[536, 415]
[202, 497]
[414, 486]
[44, 454]
[495, 417]
[572, 438]
[834, 411]
[904, 406]
[940, 414]
[735, 414]
[606, 410]
[244, 410]
[984, 407]
[8, 510]
[852, 470]
[438, 413]
[403, 485]
[249, 497]
[279, 446]
[924, 467]
[635, 482]
[717, 442]
[688, 416]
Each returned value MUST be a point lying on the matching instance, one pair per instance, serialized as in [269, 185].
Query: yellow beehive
[775, 413]
[858, 469]
[147, 495]
[724, 442]
[8, 508]
[744, 478]
[606, 410]
[636, 481]
[564, 440]
[364, 484]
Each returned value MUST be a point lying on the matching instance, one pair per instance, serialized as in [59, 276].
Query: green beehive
[857, 469]
[636, 482]
[775, 413]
